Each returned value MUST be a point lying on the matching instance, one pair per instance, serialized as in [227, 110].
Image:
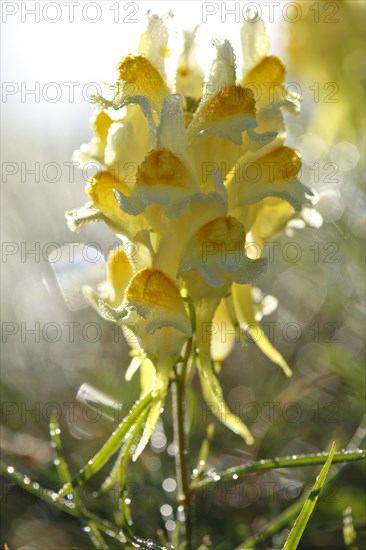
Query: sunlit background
[48, 71]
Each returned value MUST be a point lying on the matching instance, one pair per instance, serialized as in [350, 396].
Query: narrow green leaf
[349, 531]
[69, 507]
[204, 450]
[124, 456]
[299, 526]
[64, 474]
[274, 463]
[287, 516]
[274, 526]
[60, 463]
[110, 447]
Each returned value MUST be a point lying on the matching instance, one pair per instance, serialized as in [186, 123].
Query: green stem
[180, 437]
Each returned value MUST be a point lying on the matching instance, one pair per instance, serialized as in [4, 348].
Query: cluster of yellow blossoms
[197, 178]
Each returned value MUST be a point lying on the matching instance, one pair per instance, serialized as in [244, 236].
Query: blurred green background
[318, 325]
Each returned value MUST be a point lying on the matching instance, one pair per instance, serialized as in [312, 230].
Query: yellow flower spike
[140, 71]
[191, 229]
[119, 273]
[243, 303]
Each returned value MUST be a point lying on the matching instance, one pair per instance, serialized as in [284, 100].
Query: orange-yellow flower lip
[233, 100]
[161, 166]
[225, 230]
[152, 286]
[141, 72]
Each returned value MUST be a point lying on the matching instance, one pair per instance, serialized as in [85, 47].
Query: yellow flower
[212, 174]
[148, 304]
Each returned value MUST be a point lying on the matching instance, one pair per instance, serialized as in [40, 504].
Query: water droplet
[35, 485]
[170, 525]
[56, 462]
[235, 476]
[127, 501]
[169, 484]
[217, 477]
[294, 457]
[26, 480]
[172, 449]
[166, 510]
[10, 469]
[86, 529]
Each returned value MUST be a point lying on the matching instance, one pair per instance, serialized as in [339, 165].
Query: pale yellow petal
[138, 70]
[242, 297]
[119, 273]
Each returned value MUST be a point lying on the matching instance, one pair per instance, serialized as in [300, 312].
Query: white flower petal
[254, 42]
[154, 42]
[223, 69]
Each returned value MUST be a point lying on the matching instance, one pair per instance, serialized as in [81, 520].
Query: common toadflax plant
[195, 177]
